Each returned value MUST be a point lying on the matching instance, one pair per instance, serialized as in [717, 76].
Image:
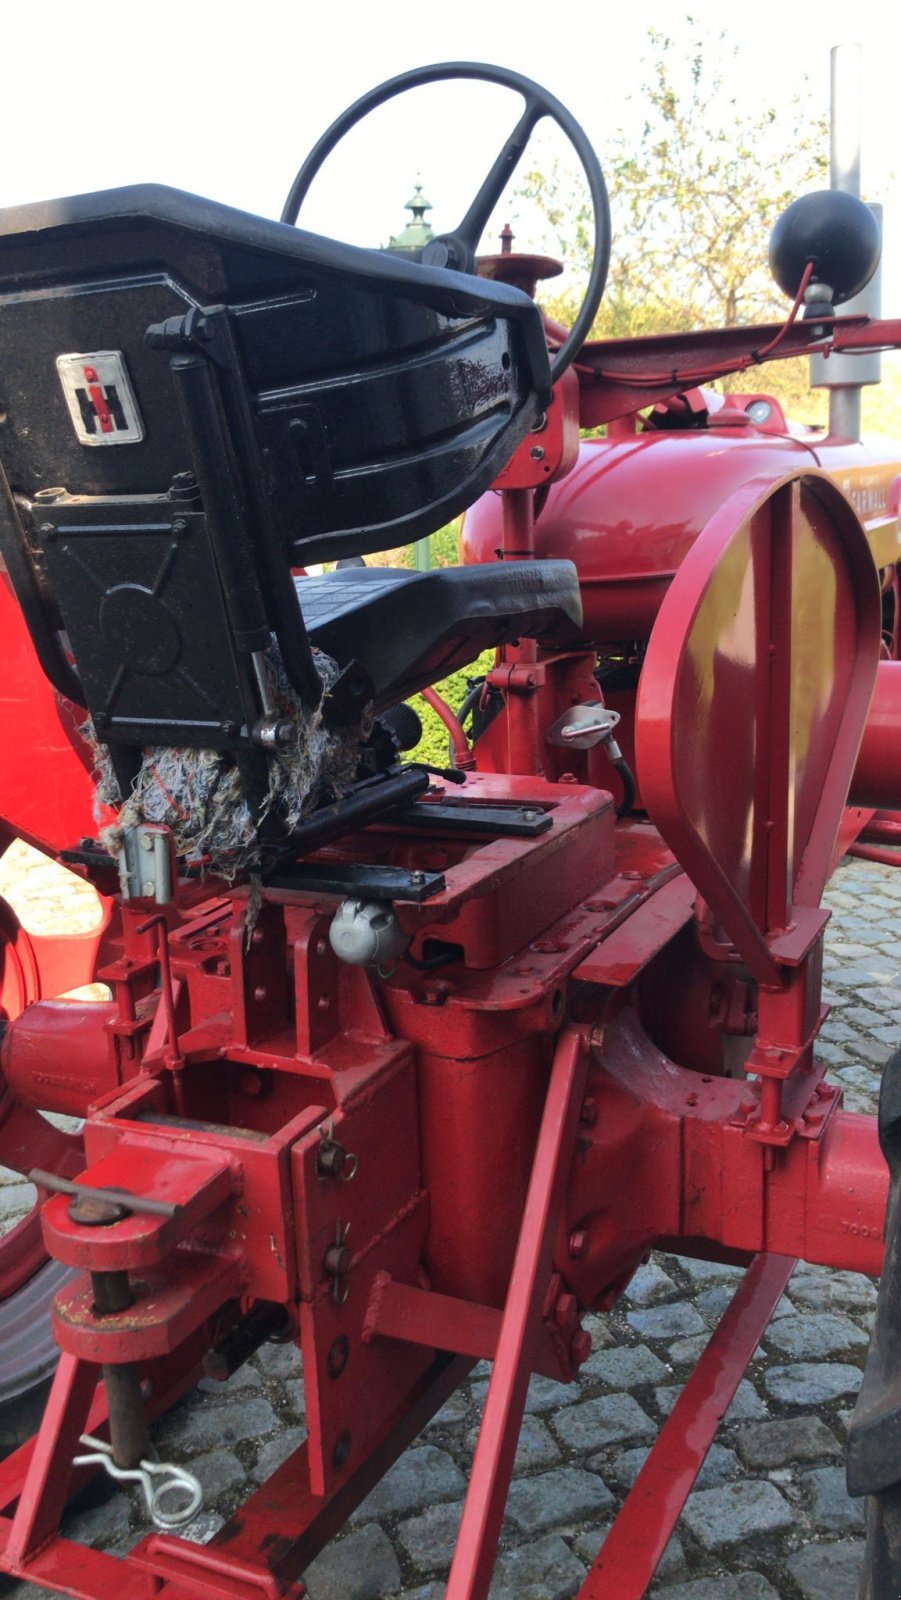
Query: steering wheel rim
[539, 103]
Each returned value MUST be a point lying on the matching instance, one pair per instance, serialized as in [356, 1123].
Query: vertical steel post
[845, 375]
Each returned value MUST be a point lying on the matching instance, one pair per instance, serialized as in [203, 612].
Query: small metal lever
[142, 1205]
[583, 726]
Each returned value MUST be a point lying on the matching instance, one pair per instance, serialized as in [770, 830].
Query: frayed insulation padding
[198, 794]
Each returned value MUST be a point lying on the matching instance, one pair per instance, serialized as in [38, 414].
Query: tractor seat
[196, 403]
[407, 629]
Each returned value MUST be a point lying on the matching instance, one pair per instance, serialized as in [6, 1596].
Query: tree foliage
[693, 201]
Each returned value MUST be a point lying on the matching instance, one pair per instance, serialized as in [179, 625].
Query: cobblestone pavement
[769, 1516]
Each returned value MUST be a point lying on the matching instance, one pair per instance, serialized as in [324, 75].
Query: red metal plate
[752, 701]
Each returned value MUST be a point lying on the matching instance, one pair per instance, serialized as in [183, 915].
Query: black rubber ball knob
[835, 231]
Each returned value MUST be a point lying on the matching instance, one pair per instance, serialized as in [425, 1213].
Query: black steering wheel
[457, 250]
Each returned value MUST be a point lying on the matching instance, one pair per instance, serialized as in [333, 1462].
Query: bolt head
[578, 1243]
[566, 1311]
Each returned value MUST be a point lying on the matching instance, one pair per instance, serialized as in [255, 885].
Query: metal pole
[845, 375]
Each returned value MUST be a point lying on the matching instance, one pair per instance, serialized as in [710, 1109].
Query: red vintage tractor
[413, 1066]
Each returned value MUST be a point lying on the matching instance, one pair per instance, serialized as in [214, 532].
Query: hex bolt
[578, 1243]
[336, 1360]
[148, 888]
[566, 1311]
[146, 842]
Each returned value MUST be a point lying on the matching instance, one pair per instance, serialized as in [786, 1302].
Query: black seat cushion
[408, 629]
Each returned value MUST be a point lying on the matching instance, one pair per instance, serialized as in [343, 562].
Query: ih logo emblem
[100, 397]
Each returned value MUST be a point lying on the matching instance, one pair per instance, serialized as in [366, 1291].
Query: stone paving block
[294, 1396]
[204, 1426]
[815, 1334]
[860, 1102]
[104, 1524]
[278, 1450]
[361, 1566]
[702, 1272]
[837, 1032]
[545, 1570]
[736, 1511]
[544, 1394]
[873, 1051]
[847, 950]
[810, 1383]
[881, 997]
[428, 1540]
[831, 1506]
[649, 1284]
[687, 1352]
[16, 1199]
[835, 1055]
[568, 1494]
[456, 1409]
[822, 1290]
[422, 1476]
[784, 1441]
[864, 1017]
[602, 1421]
[672, 1321]
[278, 1361]
[747, 1586]
[827, 1571]
[625, 1368]
[246, 1377]
[602, 1333]
[218, 1471]
[201, 1529]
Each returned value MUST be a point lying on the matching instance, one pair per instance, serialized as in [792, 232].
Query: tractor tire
[28, 1354]
[874, 1437]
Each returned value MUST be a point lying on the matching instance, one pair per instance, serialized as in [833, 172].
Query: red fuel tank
[629, 511]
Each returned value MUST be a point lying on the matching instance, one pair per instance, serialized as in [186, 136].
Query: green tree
[693, 202]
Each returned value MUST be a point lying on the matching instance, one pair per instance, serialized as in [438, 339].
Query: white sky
[226, 99]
